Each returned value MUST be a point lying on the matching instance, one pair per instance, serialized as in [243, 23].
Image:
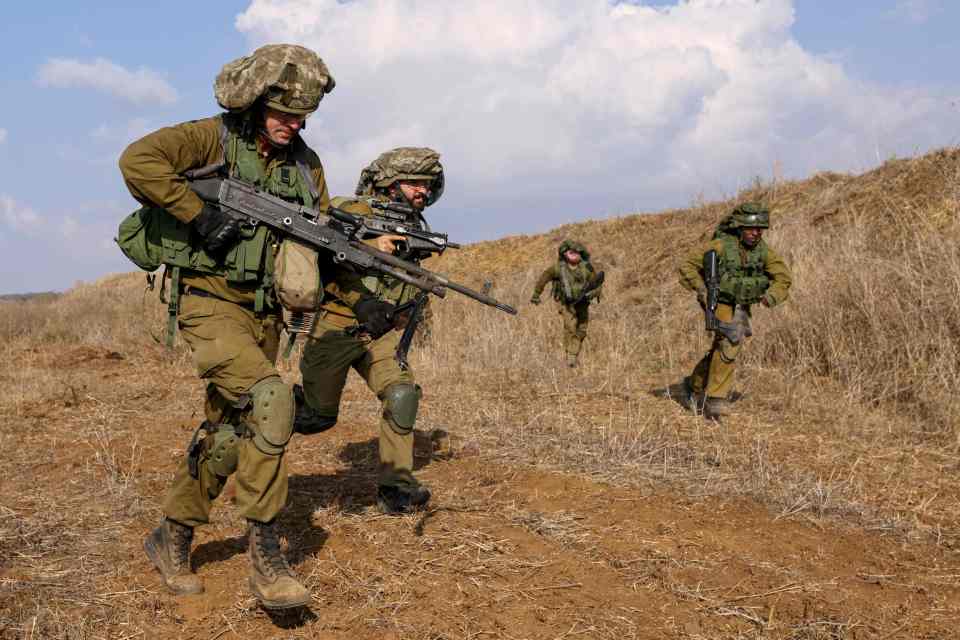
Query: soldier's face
[750, 236]
[281, 127]
[416, 192]
[571, 256]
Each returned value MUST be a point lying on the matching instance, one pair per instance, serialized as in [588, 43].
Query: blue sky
[560, 111]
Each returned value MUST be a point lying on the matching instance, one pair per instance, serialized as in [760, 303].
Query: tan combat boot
[168, 547]
[271, 579]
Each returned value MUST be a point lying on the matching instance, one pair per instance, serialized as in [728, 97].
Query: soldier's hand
[386, 243]
[218, 230]
[375, 316]
[765, 301]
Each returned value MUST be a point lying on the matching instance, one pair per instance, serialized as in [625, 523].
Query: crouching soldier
[358, 329]
[575, 285]
[748, 272]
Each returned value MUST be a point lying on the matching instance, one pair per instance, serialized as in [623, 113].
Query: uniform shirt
[691, 271]
[153, 168]
[552, 273]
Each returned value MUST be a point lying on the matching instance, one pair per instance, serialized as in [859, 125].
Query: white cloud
[3, 136]
[586, 107]
[917, 11]
[141, 86]
[19, 218]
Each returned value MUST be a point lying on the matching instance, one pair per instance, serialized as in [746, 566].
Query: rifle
[325, 233]
[395, 218]
[591, 287]
[711, 278]
[416, 315]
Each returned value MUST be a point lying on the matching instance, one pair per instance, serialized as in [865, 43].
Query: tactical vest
[152, 237]
[742, 281]
[571, 282]
[388, 288]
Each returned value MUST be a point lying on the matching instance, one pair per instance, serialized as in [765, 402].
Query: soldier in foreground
[357, 328]
[228, 313]
[747, 272]
[575, 285]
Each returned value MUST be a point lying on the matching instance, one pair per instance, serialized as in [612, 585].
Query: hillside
[581, 503]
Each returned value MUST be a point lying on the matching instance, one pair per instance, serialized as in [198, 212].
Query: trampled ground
[568, 504]
[508, 550]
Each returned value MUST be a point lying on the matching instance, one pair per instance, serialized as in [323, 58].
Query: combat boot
[271, 578]
[397, 500]
[168, 547]
[690, 399]
[715, 409]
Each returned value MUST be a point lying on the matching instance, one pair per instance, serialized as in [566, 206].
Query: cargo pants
[233, 348]
[575, 321]
[714, 373]
[328, 356]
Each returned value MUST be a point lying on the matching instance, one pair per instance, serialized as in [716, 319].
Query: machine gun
[590, 291]
[711, 278]
[326, 233]
[396, 218]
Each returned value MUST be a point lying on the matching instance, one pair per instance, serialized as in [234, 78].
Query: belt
[200, 293]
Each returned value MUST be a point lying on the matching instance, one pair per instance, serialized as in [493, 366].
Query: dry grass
[549, 520]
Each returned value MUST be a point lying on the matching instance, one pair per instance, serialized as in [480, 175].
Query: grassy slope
[582, 502]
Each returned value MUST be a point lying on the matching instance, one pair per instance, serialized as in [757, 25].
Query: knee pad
[400, 404]
[221, 450]
[271, 418]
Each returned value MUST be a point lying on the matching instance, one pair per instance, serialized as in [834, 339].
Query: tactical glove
[535, 300]
[375, 316]
[219, 230]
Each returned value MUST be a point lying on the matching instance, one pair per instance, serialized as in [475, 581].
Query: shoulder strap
[300, 157]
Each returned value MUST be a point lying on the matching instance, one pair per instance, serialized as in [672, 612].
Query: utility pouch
[296, 275]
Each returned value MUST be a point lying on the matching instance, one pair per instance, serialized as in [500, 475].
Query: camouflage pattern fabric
[568, 245]
[403, 163]
[291, 78]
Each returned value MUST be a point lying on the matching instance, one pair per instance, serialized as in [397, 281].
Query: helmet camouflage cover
[750, 215]
[573, 245]
[290, 78]
[403, 163]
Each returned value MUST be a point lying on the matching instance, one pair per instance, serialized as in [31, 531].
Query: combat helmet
[403, 163]
[568, 245]
[749, 215]
[288, 77]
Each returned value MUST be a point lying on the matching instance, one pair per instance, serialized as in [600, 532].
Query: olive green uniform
[576, 317]
[333, 348]
[231, 323]
[714, 373]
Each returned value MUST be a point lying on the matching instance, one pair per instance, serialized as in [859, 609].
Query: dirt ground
[506, 550]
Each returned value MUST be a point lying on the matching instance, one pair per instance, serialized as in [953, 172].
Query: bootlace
[181, 538]
[266, 539]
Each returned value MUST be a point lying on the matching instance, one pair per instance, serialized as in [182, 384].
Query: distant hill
[20, 297]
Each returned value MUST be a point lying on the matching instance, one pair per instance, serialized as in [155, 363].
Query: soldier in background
[356, 328]
[575, 284]
[750, 272]
[229, 314]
